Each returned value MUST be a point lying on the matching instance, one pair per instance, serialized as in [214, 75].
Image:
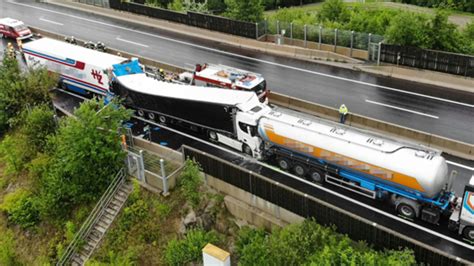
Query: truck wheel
[283, 163]
[247, 150]
[141, 113]
[299, 169]
[468, 233]
[162, 119]
[151, 116]
[213, 136]
[316, 176]
[406, 210]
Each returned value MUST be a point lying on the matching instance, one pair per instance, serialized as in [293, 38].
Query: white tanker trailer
[414, 178]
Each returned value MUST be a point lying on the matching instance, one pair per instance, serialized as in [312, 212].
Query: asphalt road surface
[428, 108]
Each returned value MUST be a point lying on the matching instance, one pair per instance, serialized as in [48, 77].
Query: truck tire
[316, 176]
[299, 169]
[162, 119]
[284, 163]
[213, 136]
[247, 150]
[468, 233]
[151, 116]
[406, 210]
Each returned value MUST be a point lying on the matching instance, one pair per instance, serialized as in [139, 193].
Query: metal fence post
[369, 41]
[256, 31]
[335, 40]
[352, 41]
[291, 32]
[305, 34]
[265, 26]
[278, 27]
[320, 37]
[141, 167]
[378, 53]
[164, 177]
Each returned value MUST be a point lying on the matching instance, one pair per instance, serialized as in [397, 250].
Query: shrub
[189, 249]
[7, 248]
[21, 208]
[190, 181]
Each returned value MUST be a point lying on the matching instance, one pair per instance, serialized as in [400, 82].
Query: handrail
[93, 217]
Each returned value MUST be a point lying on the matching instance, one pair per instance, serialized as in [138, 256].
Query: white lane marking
[50, 21]
[461, 165]
[249, 58]
[402, 109]
[135, 43]
[460, 243]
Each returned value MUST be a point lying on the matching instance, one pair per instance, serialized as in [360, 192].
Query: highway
[428, 108]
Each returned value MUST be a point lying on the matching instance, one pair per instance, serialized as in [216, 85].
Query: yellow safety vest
[343, 110]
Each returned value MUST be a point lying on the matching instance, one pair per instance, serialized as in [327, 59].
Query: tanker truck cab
[462, 217]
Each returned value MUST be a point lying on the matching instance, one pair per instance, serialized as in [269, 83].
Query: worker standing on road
[162, 74]
[343, 111]
[10, 50]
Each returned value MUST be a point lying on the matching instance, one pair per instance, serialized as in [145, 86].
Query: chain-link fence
[320, 35]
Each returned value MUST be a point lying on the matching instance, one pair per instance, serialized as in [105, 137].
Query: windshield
[20, 28]
[261, 87]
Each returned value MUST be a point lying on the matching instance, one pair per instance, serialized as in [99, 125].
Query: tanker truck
[413, 178]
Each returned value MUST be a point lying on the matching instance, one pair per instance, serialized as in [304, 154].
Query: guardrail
[450, 146]
[86, 227]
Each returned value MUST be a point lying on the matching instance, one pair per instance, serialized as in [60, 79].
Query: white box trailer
[82, 70]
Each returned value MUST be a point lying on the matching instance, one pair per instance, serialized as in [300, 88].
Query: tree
[443, 35]
[216, 6]
[37, 124]
[245, 10]
[21, 90]
[85, 155]
[188, 5]
[334, 10]
[408, 29]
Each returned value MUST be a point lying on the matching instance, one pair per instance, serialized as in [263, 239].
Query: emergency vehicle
[227, 77]
[13, 28]
[81, 70]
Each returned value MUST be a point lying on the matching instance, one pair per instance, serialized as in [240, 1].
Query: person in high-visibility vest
[10, 50]
[343, 111]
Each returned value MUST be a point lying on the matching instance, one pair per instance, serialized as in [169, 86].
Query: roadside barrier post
[378, 53]
[141, 167]
[265, 26]
[291, 32]
[320, 38]
[335, 40]
[369, 41]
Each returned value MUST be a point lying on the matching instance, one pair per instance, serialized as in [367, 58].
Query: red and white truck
[13, 28]
[227, 77]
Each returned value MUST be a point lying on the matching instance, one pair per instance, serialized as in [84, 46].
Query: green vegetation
[309, 243]
[461, 5]
[244, 10]
[190, 182]
[398, 26]
[50, 173]
[189, 249]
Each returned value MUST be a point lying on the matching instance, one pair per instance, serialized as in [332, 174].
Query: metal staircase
[94, 228]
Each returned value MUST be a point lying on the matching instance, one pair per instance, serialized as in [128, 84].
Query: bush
[309, 243]
[15, 152]
[189, 249]
[21, 208]
[7, 248]
[190, 181]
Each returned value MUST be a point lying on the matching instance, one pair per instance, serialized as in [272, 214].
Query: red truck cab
[13, 28]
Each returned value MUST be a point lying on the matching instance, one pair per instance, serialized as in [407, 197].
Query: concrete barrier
[450, 146]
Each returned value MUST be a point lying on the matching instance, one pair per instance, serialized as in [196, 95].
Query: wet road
[423, 107]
